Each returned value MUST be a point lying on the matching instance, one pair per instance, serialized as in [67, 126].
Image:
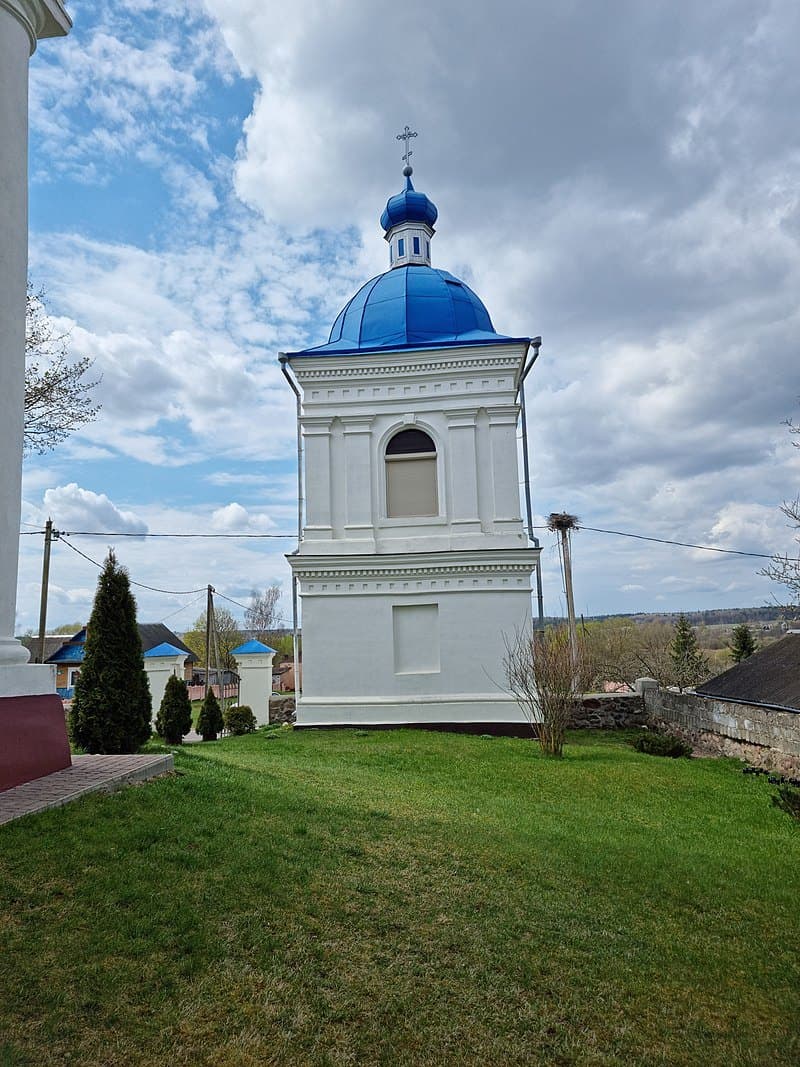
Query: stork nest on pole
[562, 520]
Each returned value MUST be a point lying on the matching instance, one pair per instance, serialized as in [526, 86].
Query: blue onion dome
[409, 206]
[408, 307]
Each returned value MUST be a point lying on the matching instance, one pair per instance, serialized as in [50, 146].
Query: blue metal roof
[409, 307]
[409, 206]
[164, 649]
[251, 648]
[69, 653]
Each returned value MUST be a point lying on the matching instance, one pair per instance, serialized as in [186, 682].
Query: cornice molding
[40, 18]
[324, 372]
[345, 568]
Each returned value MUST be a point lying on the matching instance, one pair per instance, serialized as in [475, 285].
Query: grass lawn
[406, 898]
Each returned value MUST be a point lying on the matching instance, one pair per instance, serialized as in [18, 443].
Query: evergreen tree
[689, 663]
[111, 710]
[210, 723]
[742, 644]
[174, 717]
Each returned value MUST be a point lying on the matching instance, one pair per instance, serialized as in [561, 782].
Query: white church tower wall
[414, 567]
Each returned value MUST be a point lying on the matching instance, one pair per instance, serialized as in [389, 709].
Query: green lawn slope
[405, 898]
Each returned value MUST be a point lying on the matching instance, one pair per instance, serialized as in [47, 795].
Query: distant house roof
[250, 648]
[52, 643]
[164, 649]
[152, 634]
[156, 633]
[770, 677]
[71, 652]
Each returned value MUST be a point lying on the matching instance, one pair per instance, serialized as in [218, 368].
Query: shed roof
[770, 677]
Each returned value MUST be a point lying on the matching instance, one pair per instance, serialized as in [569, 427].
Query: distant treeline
[711, 617]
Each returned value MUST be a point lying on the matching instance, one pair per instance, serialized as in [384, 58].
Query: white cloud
[74, 508]
[233, 518]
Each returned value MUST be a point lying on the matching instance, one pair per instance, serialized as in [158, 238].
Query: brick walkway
[88, 774]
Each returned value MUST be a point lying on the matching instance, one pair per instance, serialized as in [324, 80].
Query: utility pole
[563, 523]
[209, 615]
[49, 535]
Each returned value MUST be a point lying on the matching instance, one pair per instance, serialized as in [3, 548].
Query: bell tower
[413, 563]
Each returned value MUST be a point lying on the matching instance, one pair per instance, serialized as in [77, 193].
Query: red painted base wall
[33, 738]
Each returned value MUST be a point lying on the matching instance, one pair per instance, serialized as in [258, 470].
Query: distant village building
[413, 563]
[67, 652]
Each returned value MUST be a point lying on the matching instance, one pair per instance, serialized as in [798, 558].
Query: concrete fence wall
[763, 736]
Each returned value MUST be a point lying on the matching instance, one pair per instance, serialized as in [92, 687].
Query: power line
[140, 585]
[106, 533]
[667, 541]
[185, 607]
[292, 536]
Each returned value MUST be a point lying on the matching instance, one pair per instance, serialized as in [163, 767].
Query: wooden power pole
[48, 538]
[563, 523]
[209, 618]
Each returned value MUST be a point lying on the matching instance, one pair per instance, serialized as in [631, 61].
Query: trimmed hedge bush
[174, 717]
[209, 722]
[240, 720]
[662, 745]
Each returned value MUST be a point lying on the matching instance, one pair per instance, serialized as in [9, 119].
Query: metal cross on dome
[406, 136]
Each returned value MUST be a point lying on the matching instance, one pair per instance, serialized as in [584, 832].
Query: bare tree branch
[262, 614]
[541, 674]
[57, 398]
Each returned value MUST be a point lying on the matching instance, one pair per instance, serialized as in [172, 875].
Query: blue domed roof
[409, 206]
[410, 307]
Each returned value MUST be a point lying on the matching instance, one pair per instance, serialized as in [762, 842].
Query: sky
[619, 178]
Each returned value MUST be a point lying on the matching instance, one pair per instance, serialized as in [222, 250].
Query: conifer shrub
[239, 720]
[174, 717]
[690, 665]
[209, 722]
[111, 709]
[662, 745]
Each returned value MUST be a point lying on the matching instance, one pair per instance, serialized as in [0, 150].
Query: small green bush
[209, 722]
[662, 745]
[239, 720]
[174, 717]
[788, 799]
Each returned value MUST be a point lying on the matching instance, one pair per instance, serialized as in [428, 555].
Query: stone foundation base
[711, 744]
[33, 738]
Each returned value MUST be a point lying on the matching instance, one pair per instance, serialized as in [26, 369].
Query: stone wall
[609, 711]
[281, 709]
[765, 737]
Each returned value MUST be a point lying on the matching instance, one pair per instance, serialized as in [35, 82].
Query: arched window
[411, 475]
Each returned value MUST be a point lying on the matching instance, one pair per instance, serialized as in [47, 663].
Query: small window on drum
[411, 490]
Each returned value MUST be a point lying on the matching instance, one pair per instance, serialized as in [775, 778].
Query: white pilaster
[461, 426]
[503, 445]
[358, 478]
[22, 22]
[317, 443]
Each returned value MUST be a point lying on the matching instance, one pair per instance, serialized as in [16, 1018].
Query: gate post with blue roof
[161, 663]
[254, 662]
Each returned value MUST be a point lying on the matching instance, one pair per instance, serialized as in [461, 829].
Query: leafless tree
[540, 670]
[261, 616]
[57, 395]
[786, 569]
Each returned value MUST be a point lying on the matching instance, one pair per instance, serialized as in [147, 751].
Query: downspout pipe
[283, 359]
[536, 344]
